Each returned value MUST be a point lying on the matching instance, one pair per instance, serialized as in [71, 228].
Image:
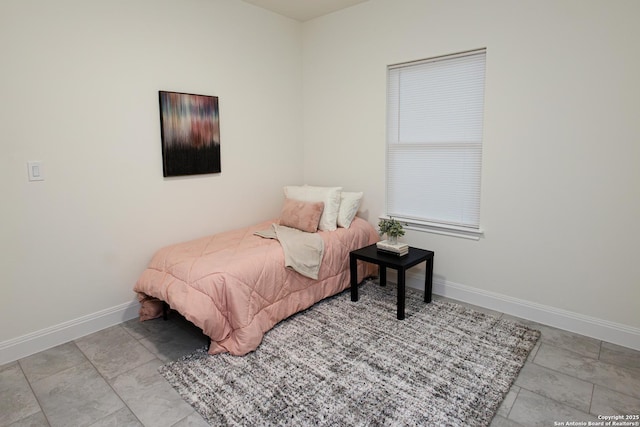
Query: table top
[371, 254]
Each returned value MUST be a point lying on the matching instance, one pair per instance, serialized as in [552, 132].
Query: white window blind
[434, 139]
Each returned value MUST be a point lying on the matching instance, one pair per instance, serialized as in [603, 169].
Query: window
[434, 142]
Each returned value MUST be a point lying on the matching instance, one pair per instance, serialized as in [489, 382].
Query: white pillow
[349, 204]
[330, 196]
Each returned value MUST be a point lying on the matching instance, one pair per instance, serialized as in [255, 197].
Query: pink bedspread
[234, 285]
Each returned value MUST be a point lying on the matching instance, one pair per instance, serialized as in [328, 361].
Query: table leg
[401, 293]
[353, 269]
[428, 280]
[382, 276]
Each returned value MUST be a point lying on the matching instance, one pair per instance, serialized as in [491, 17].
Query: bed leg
[165, 310]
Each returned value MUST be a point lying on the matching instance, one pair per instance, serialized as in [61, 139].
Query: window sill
[436, 228]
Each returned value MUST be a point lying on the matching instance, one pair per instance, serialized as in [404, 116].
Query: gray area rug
[343, 363]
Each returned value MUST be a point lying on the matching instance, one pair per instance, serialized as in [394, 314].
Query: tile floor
[110, 378]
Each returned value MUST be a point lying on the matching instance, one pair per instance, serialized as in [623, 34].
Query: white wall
[560, 181]
[79, 84]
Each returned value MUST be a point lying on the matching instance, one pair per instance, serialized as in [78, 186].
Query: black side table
[400, 263]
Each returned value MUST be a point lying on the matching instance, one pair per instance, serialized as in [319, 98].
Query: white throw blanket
[302, 251]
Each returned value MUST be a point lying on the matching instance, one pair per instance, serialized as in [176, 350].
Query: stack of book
[399, 249]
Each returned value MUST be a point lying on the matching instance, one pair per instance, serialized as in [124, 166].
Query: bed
[238, 284]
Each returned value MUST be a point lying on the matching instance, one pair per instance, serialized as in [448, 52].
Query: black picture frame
[190, 132]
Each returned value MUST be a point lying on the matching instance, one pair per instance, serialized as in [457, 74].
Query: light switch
[36, 173]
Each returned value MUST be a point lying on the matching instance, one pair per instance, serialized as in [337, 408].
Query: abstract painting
[190, 129]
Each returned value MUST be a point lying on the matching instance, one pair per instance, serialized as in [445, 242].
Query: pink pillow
[304, 216]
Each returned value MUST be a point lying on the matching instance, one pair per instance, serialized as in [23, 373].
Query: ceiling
[304, 10]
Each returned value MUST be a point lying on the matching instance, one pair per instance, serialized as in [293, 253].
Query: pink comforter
[234, 285]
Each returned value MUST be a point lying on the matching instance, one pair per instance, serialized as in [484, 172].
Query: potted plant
[392, 228]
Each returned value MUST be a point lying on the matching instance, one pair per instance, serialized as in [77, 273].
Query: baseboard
[616, 333]
[612, 332]
[29, 344]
